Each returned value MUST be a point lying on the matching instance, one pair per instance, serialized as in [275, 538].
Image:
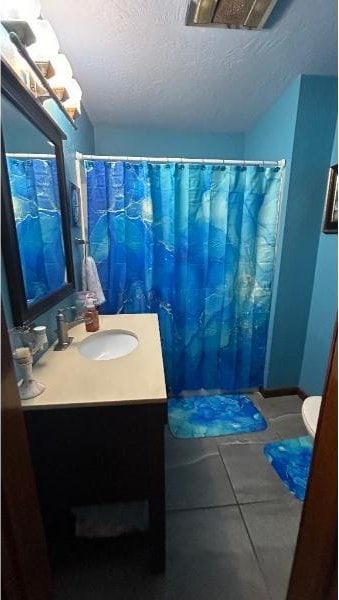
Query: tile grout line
[255, 553]
[268, 500]
[236, 503]
[247, 531]
[175, 510]
[228, 475]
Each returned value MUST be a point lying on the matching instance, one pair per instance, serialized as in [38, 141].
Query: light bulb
[73, 107]
[61, 67]
[74, 90]
[73, 103]
[46, 45]
[23, 10]
[62, 77]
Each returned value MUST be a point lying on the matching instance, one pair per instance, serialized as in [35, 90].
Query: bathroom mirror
[36, 242]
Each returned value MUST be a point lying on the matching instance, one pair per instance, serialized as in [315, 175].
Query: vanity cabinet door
[100, 455]
[95, 454]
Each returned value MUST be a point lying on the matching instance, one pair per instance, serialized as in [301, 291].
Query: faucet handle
[60, 315]
[72, 310]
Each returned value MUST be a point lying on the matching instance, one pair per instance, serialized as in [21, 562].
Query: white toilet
[310, 413]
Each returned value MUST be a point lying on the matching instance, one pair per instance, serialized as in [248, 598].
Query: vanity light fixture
[233, 14]
[50, 74]
[42, 90]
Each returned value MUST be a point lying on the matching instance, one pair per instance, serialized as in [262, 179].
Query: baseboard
[292, 391]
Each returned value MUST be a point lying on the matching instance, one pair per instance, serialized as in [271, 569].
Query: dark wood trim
[13, 89]
[22, 50]
[24, 562]
[314, 570]
[303, 395]
[333, 583]
[16, 92]
[10, 240]
[291, 391]
[156, 485]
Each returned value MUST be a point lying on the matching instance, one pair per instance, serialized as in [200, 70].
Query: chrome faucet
[63, 326]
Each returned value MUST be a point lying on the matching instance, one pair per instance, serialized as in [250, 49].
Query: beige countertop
[73, 380]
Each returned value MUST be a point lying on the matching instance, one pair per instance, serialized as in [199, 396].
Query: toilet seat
[310, 413]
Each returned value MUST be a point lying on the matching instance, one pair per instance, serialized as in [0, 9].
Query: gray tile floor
[231, 525]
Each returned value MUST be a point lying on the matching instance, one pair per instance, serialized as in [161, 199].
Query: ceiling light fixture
[233, 14]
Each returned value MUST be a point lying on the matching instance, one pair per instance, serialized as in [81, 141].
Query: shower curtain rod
[214, 161]
[28, 155]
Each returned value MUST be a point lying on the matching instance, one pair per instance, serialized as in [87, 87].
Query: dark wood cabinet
[92, 455]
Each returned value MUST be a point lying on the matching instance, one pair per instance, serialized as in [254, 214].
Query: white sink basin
[106, 345]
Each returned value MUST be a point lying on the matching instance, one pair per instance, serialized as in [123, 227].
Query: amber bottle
[91, 313]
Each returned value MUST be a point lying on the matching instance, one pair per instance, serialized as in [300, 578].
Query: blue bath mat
[205, 416]
[291, 459]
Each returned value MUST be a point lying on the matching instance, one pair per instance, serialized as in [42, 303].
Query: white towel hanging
[90, 279]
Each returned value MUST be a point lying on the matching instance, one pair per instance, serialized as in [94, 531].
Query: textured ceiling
[138, 63]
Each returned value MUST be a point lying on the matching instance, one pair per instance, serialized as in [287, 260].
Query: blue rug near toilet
[291, 459]
[206, 416]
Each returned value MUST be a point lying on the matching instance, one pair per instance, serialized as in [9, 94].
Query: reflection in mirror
[36, 236]
[32, 172]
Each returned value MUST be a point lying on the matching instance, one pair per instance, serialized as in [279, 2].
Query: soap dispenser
[91, 313]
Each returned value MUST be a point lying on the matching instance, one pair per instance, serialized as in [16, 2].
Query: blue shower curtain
[195, 244]
[36, 204]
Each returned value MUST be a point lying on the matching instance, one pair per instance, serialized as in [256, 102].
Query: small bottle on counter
[91, 313]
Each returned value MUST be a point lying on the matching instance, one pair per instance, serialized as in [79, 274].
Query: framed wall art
[330, 224]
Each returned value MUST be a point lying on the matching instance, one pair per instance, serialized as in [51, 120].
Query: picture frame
[330, 223]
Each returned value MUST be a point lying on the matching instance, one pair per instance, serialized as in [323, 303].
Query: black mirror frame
[15, 91]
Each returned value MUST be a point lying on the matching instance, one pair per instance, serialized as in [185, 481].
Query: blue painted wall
[81, 140]
[272, 138]
[323, 308]
[78, 140]
[315, 126]
[311, 112]
[124, 141]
